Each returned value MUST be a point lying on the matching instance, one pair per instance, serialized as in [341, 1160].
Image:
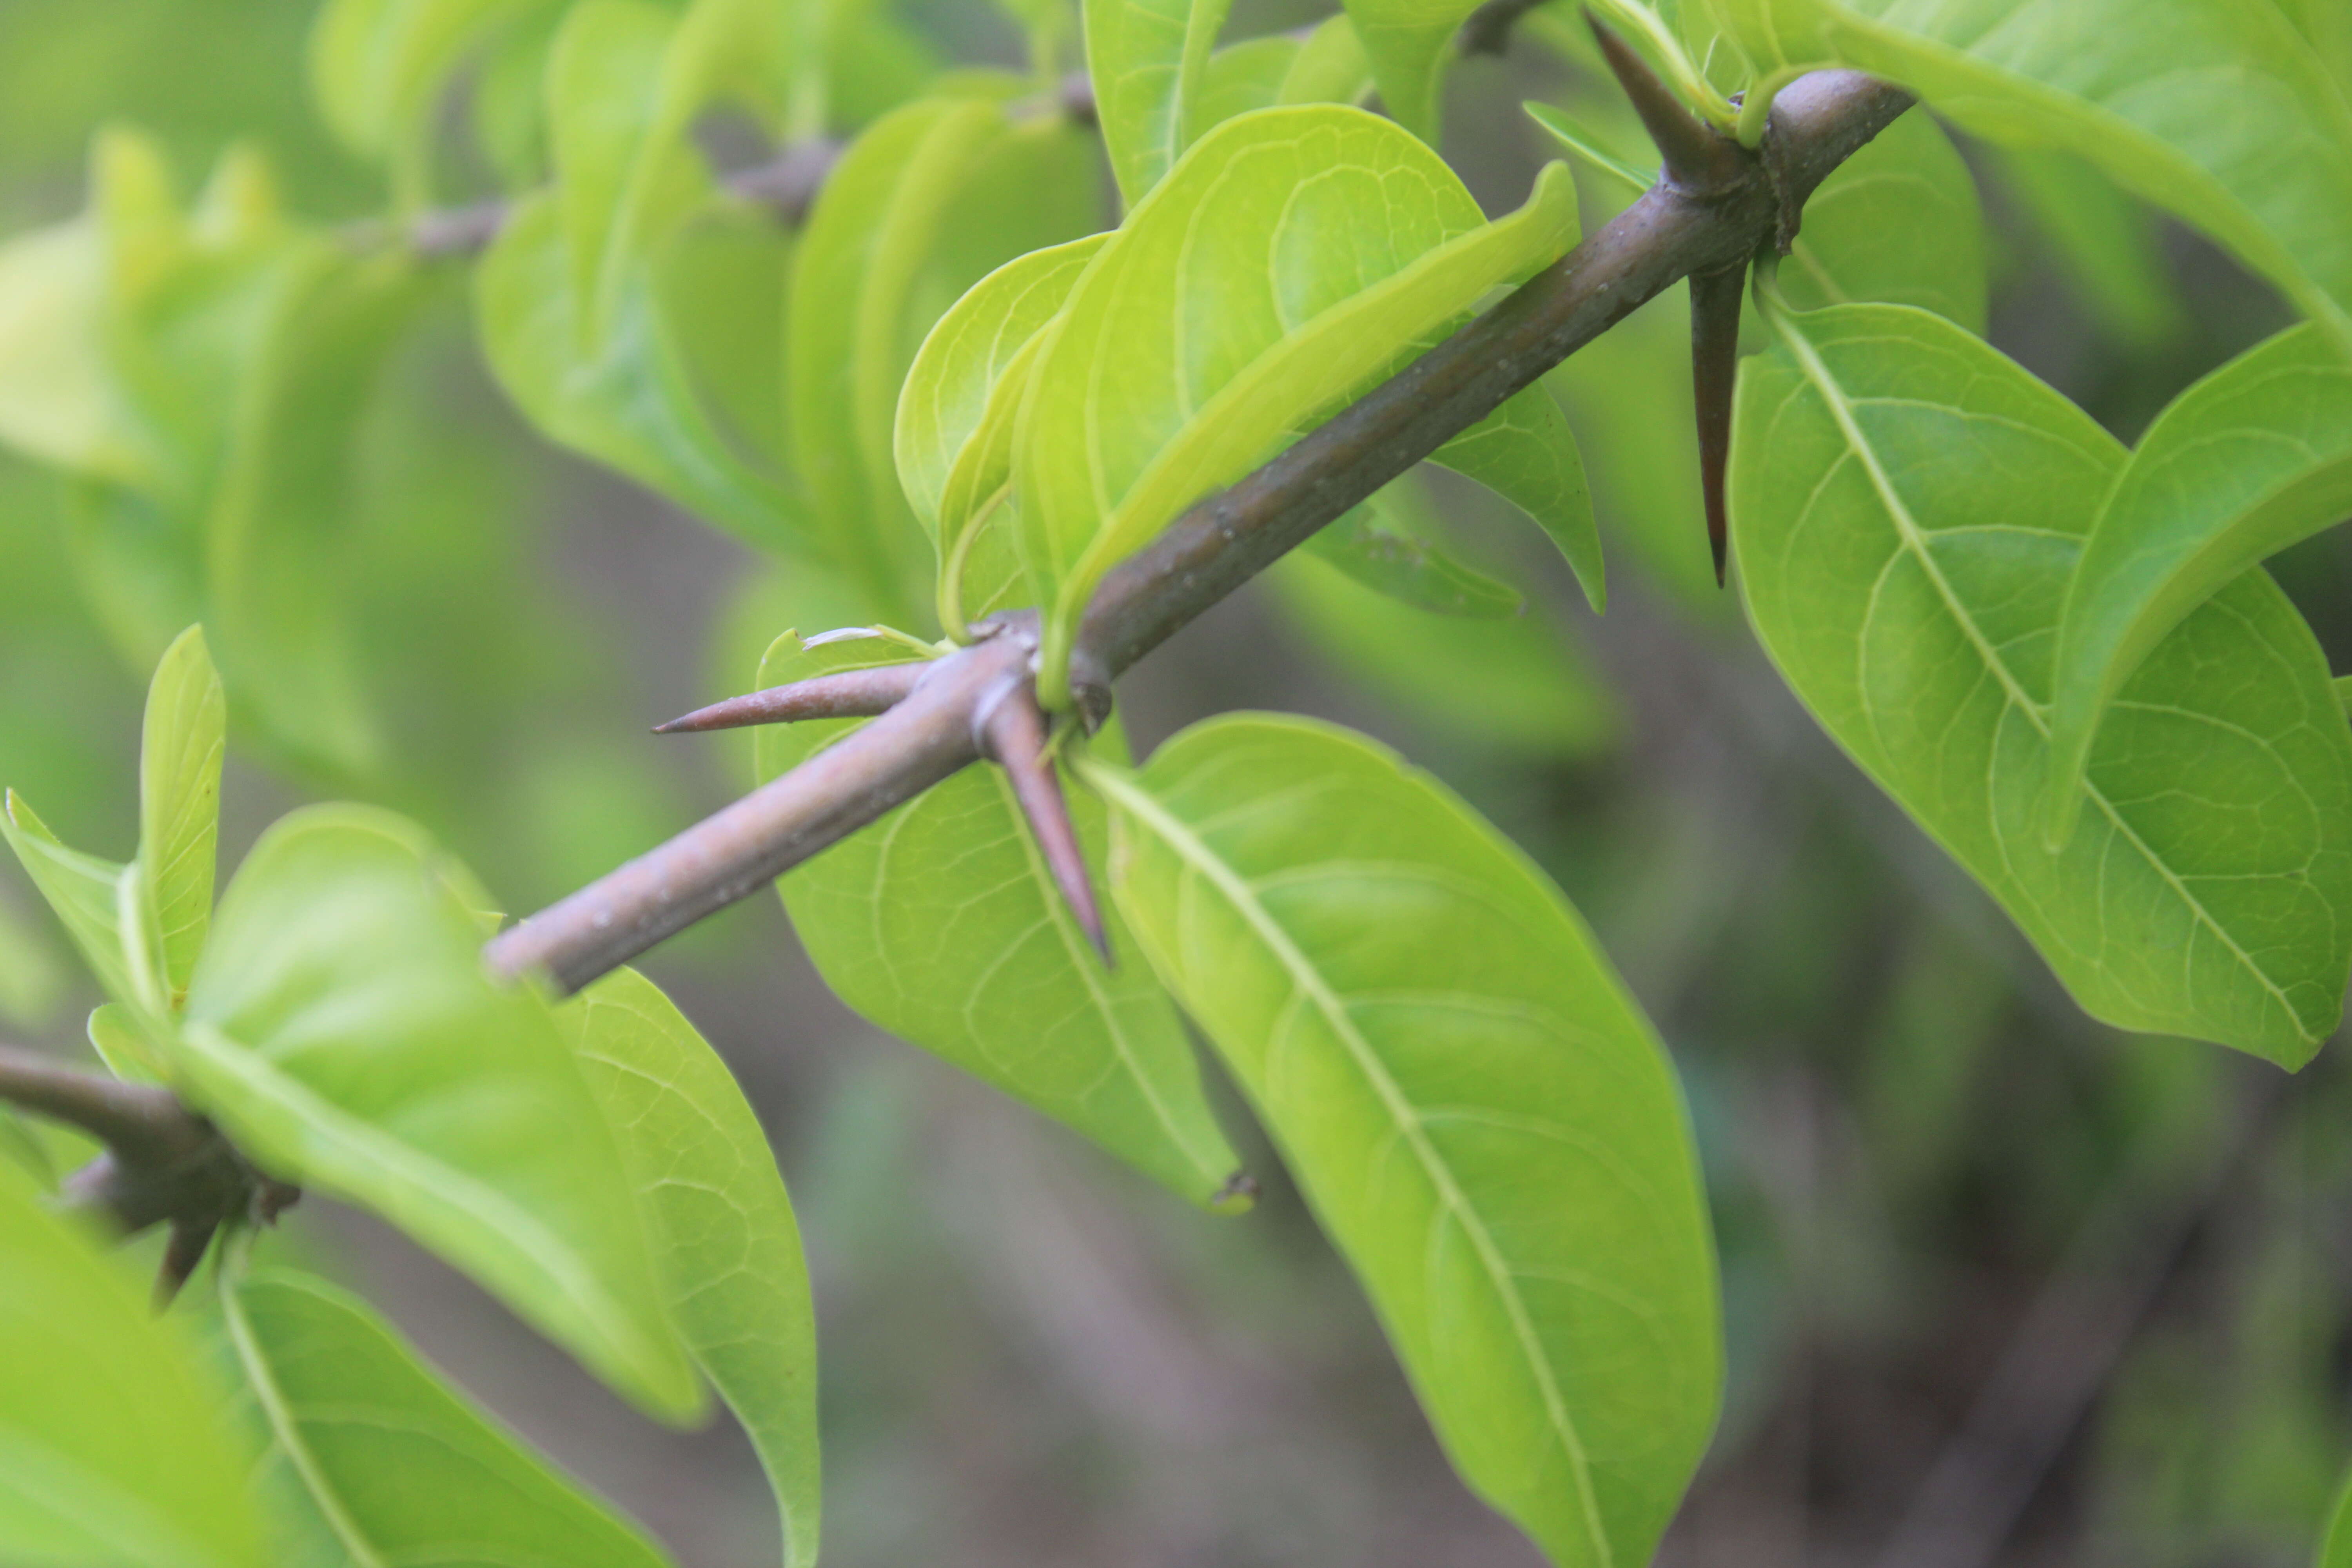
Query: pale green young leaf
[123, 1043]
[1410, 43]
[1392, 545]
[1907, 506]
[1475, 1109]
[1329, 249]
[185, 738]
[630, 401]
[929, 200]
[952, 441]
[1520, 686]
[103, 907]
[726, 1245]
[941, 924]
[2254, 457]
[1898, 223]
[1148, 60]
[2217, 110]
[373, 1458]
[341, 1030]
[112, 1451]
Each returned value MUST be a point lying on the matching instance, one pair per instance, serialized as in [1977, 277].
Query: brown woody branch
[1738, 205]
[164, 1163]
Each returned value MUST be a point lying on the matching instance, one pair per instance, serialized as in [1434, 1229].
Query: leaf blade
[1429, 1033]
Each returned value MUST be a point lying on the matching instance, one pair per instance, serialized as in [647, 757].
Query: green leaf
[1385, 545]
[1520, 686]
[277, 557]
[1590, 146]
[1410, 43]
[59, 401]
[379, 69]
[896, 235]
[104, 911]
[1524, 452]
[1329, 248]
[2254, 457]
[1241, 77]
[1897, 223]
[2335, 1545]
[1907, 506]
[727, 1246]
[366, 1450]
[940, 924]
[629, 401]
[1330, 67]
[2217, 110]
[1148, 60]
[180, 754]
[340, 1027]
[1473, 1107]
[111, 1451]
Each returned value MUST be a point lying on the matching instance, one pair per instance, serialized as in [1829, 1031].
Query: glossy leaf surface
[1473, 1105]
[2215, 109]
[1296, 256]
[726, 1245]
[1908, 506]
[940, 924]
[2254, 457]
[111, 1449]
[340, 1027]
[184, 739]
[373, 1458]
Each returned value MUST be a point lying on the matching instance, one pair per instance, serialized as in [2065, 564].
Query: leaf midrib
[1913, 539]
[263, 1379]
[1307, 980]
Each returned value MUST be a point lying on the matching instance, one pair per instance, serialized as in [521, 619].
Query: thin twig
[1670, 233]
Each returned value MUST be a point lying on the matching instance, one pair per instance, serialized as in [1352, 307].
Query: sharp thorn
[181, 1253]
[846, 694]
[1695, 156]
[1015, 736]
[1715, 365]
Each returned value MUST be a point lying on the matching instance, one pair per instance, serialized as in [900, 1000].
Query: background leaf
[726, 1245]
[1908, 506]
[370, 1458]
[111, 1451]
[1471, 1102]
[1148, 60]
[940, 924]
[340, 1027]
